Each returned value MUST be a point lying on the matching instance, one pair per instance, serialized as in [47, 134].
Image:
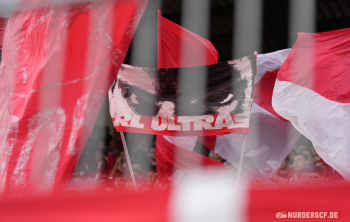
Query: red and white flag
[6, 8]
[193, 202]
[174, 160]
[59, 61]
[146, 100]
[172, 39]
[312, 91]
[271, 137]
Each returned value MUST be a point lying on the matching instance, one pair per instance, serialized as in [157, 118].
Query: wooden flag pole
[241, 160]
[128, 161]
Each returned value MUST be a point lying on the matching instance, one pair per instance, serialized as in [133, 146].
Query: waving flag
[144, 100]
[171, 158]
[3, 22]
[172, 38]
[59, 61]
[313, 92]
[271, 137]
[6, 8]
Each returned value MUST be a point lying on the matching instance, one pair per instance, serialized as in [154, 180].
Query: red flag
[271, 138]
[312, 91]
[170, 157]
[172, 38]
[58, 64]
[3, 22]
[195, 201]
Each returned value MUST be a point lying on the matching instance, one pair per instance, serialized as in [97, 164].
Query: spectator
[279, 180]
[150, 178]
[129, 186]
[316, 176]
[284, 171]
[302, 177]
[299, 162]
[102, 146]
[119, 164]
[102, 165]
[101, 184]
[324, 167]
[156, 185]
[112, 150]
[299, 148]
[152, 155]
[110, 162]
[218, 158]
[99, 166]
[119, 183]
[317, 158]
[106, 136]
[309, 154]
[336, 179]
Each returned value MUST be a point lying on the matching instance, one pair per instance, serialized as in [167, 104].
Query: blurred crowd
[304, 166]
[103, 161]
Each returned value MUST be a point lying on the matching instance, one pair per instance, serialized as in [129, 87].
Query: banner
[312, 92]
[145, 100]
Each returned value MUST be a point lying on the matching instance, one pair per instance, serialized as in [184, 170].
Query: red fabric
[110, 161]
[208, 141]
[313, 199]
[3, 22]
[58, 64]
[258, 206]
[172, 38]
[170, 158]
[263, 90]
[325, 58]
[128, 207]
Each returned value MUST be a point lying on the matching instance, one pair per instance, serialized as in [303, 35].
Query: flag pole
[128, 161]
[241, 160]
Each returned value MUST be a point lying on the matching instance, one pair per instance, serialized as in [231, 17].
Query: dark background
[330, 15]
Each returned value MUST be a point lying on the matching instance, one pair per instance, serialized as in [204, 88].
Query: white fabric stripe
[186, 142]
[326, 123]
[269, 62]
[269, 142]
[196, 201]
